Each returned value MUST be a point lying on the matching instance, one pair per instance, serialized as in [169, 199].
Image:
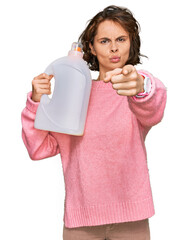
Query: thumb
[50, 77]
[109, 74]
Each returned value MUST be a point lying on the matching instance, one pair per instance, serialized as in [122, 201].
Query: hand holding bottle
[41, 85]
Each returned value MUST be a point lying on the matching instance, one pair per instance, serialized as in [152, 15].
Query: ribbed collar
[99, 84]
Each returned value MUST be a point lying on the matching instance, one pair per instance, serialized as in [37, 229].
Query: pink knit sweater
[105, 170]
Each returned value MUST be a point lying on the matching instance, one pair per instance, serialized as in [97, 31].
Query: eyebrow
[122, 36]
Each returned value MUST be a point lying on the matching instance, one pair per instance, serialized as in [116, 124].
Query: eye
[121, 39]
[104, 41]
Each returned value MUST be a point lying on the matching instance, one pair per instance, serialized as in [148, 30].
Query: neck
[101, 76]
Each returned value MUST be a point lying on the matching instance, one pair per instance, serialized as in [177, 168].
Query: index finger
[127, 69]
[109, 74]
[44, 75]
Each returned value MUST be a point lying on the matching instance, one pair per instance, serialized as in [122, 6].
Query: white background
[33, 34]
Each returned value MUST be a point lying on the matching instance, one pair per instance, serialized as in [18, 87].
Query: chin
[116, 65]
[112, 66]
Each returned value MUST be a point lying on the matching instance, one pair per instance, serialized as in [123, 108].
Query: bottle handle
[45, 98]
[49, 70]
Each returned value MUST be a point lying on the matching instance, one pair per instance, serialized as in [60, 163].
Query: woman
[108, 193]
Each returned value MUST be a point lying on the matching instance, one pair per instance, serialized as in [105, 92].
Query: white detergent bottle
[66, 110]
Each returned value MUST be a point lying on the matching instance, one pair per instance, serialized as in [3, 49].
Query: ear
[92, 49]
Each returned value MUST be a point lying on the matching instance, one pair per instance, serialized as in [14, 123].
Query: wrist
[141, 78]
[35, 97]
[147, 86]
[31, 105]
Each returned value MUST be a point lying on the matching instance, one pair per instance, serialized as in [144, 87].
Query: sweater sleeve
[40, 144]
[150, 109]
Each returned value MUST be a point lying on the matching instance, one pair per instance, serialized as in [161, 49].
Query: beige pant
[138, 230]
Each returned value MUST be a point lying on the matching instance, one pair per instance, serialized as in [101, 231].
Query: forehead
[110, 28]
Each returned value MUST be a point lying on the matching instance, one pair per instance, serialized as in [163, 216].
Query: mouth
[115, 59]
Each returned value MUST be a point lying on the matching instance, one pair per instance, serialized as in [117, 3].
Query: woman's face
[111, 46]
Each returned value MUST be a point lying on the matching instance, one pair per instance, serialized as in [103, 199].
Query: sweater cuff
[31, 105]
[153, 88]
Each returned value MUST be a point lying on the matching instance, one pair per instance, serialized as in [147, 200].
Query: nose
[114, 48]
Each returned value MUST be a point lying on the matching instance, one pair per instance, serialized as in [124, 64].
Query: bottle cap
[77, 46]
[76, 49]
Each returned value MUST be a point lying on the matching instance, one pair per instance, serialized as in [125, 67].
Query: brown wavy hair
[125, 18]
